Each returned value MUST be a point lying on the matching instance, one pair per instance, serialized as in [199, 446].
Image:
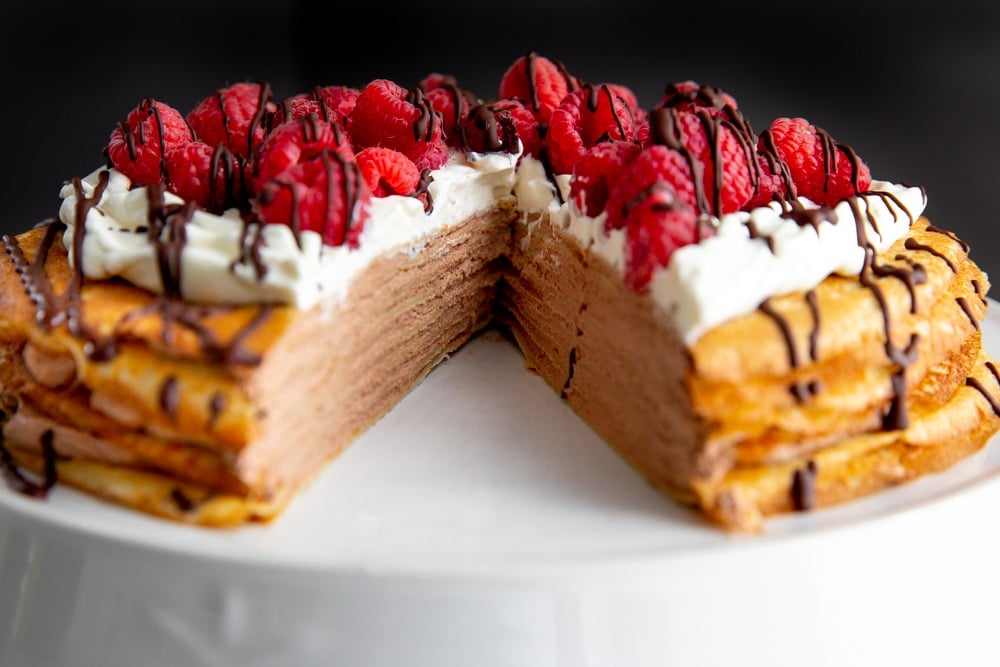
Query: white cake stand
[482, 524]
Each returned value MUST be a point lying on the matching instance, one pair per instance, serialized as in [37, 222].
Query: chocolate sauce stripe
[897, 416]
[53, 310]
[803, 489]
[978, 386]
[801, 391]
[15, 478]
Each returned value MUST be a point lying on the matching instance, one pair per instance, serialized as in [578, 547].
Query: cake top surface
[251, 199]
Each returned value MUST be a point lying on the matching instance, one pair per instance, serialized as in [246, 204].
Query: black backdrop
[912, 85]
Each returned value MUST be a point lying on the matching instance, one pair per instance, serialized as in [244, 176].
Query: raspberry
[339, 100]
[437, 80]
[584, 118]
[773, 181]
[595, 171]
[498, 126]
[139, 145]
[296, 107]
[330, 103]
[653, 169]
[388, 172]
[388, 115]
[539, 82]
[297, 141]
[822, 169]
[657, 226]
[234, 116]
[626, 95]
[718, 151]
[211, 177]
[451, 101]
[690, 96]
[325, 194]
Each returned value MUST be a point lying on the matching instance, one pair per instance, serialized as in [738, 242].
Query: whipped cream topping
[703, 285]
[733, 272]
[116, 243]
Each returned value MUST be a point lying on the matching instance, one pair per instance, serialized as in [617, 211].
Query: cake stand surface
[481, 523]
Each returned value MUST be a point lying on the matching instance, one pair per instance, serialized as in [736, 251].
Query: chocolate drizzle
[169, 396]
[138, 138]
[259, 116]
[796, 212]
[910, 273]
[978, 386]
[351, 190]
[424, 126]
[251, 243]
[167, 236]
[718, 118]
[812, 301]
[664, 129]
[804, 487]
[216, 407]
[233, 171]
[53, 310]
[831, 153]
[964, 305]
[423, 189]
[531, 75]
[499, 131]
[17, 481]
[181, 500]
[550, 174]
[569, 375]
[592, 96]
[913, 244]
[897, 416]
[775, 164]
[951, 235]
[801, 391]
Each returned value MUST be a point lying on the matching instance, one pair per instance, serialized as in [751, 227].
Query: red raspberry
[235, 116]
[584, 118]
[325, 194]
[436, 80]
[715, 147]
[653, 169]
[211, 177]
[330, 103]
[773, 181]
[822, 169]
[498, 126]
[627, 96]
[657, 226]
[451, 101]
[388, 172]
[388, 115]
[296, 107]
[297, 141]
[690, 96]
[339, 100]
[595, 171]
[139, 145]
[539, 82]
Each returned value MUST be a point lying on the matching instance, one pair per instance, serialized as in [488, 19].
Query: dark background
[911, 85]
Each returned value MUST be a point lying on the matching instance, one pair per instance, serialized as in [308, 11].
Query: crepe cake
[754, 323]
